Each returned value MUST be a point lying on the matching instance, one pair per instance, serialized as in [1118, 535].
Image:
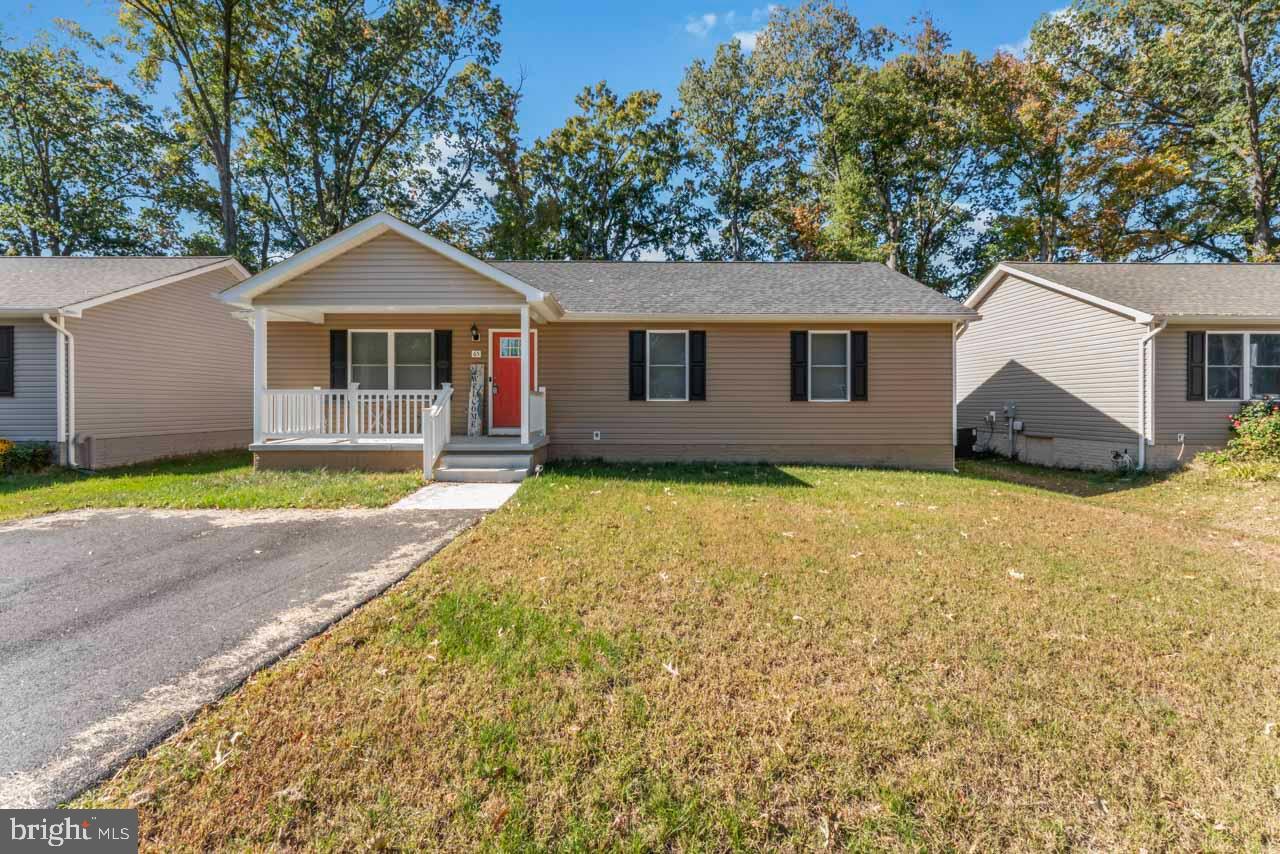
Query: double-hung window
[1242, 365]
[395, 360]
[829, 367]
[668, 359]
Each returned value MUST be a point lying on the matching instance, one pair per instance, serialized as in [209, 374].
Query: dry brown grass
[723, 658]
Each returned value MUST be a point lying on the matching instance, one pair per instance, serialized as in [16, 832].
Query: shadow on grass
[200, 464]
[724, 474]
[1082, 484]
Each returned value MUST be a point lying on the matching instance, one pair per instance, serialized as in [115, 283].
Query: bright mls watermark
[104, 831]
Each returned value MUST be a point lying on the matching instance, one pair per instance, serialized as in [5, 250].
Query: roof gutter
[1144, 397]
[65, 385]
[658, 317]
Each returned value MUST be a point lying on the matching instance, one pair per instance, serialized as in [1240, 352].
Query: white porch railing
[538, 410]
[351, 414]
[435, 431]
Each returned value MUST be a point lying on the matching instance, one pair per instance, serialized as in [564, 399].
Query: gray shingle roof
[44, 283]
[732, 288]
[1170, 290]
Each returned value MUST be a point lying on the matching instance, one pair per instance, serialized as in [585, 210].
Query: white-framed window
[829, 367]
[401, 359]
[1242, 365]
[667, 358]
[509, 348]
[1264, 364]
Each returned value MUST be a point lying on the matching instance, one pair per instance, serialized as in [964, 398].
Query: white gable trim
[1004, 269]
[76, 309]
[243, 294]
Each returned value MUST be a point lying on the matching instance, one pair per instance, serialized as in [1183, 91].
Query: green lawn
[714, 658]
[224, 480]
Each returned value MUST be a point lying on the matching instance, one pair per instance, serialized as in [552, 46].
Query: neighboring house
[118, 360]
[1100, 360]
[829, 363]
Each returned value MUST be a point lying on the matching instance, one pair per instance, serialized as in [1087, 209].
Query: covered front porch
[382, 347]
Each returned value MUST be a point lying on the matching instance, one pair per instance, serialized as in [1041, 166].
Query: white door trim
[488, 382]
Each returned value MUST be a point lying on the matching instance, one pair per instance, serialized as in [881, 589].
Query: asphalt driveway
[116, 625]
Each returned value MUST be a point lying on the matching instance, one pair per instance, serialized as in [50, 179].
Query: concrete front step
[456, 474]
[473, 460]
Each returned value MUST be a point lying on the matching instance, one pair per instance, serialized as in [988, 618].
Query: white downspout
[1144, 398]
[957, 329]
[66, 389]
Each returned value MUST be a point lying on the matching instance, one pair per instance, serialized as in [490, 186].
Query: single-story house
[382, 347]
[1086, 365]
[118, 360]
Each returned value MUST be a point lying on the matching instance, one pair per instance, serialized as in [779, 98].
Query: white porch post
[525, 378]
[259, 370]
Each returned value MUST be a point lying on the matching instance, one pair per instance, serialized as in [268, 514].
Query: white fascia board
[76, 309]
[611, 317]
[1004, 269]
[1210, 319]
[242, 295]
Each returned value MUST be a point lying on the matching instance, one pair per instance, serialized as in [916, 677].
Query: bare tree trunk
[1264, 239]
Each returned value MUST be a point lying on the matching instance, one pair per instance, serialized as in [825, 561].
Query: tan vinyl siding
[1204, 422]
[298, 353]
[748, 412]
[32, 413]
[170, 361]
[1071, 367]
[390, 270]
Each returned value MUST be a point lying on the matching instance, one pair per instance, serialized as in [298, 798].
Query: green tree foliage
[1187, 91]
[524, 220]
[803, 54]
[83, 163]
[613, 183]
[1040, 139]
[366, 107]
[212, 47]
[741, 142]
[914, 168]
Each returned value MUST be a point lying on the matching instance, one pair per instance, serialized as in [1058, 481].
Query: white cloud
[701, 25]
[1020, 47]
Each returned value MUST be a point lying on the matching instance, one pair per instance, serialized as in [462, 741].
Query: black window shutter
[698, 365]
[444, 357]
[1195, 365]
[858, 365]
[637, 364]
[799, 365]
[337, 358]
[7, 365]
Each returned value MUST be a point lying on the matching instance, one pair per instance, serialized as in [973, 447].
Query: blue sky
[562, 46]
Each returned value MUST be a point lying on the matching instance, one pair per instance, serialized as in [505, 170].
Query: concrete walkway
[458, 496]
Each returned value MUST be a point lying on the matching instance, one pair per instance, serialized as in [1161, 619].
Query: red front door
[504, 387]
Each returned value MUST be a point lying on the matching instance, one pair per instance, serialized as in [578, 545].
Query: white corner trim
[75, 309]
[1003, 269]
[362, 232]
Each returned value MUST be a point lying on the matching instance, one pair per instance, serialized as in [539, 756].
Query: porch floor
[456, 444]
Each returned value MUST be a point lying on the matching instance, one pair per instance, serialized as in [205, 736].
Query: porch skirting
[339, 458]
